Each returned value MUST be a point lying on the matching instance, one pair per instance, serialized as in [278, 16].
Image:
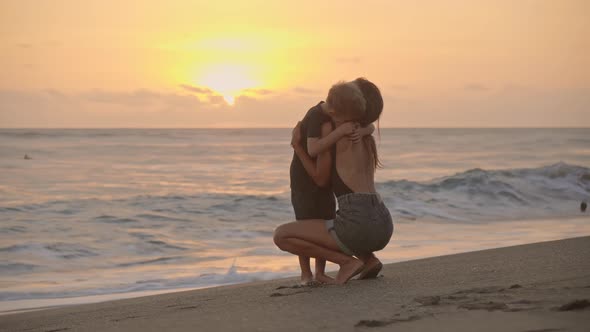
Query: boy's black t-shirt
[311, 126]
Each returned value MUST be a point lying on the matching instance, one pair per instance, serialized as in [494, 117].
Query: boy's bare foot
[324, 278]
[349, 270]
[306, 279]
[371, 269]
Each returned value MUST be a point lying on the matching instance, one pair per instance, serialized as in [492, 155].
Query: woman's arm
[319, 169]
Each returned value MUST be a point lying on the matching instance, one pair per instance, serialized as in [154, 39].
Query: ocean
[111, 213]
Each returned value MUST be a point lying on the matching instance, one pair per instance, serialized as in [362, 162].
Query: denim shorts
[362, 225]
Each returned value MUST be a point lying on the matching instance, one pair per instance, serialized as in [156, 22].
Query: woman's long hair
[374, 108]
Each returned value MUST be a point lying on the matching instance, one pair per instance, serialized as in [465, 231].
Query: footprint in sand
[380, 323]
[277, 294]
[428, 300]
[575, 305]
[489, 306]
[479, 299]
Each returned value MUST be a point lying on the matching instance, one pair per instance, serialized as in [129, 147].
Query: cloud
[139, 97]
[216, 100]
[522, 107]
[196, 89]
[24, 45]
[475, 87]
[526, 107]
[99, 108]
[305, 91]
[148, 100]
[55, 93]
[260, 92]
[207, 94]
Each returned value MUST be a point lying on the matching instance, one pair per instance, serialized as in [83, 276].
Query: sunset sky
[187, 63]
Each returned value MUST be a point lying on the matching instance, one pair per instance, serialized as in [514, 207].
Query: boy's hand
[355, 137]
[361, 132]
[347, 128]
[296, 135]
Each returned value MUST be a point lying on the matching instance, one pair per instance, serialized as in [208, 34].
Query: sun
[228, 79]
[230, 99]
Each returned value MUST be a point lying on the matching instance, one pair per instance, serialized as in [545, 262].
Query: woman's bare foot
[372, 268]
[349, 270]
[324, 278]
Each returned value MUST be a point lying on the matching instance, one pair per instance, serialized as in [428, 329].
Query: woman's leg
[311, 238]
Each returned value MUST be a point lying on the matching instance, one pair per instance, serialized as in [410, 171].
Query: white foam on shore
[411, 240]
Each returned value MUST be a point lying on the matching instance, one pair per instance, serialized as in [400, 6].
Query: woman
[362, 224]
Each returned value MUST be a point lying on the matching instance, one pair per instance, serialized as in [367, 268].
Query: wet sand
[534, 287]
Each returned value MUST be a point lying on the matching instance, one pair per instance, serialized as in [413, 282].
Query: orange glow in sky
[455, 63]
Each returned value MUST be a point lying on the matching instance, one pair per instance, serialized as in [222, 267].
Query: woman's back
[363, 223]
[354, 164]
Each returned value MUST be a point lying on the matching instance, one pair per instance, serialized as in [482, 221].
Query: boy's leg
[320, 272]
[320, 266]
[326, 207]
[308, 205]
[306, 274]
[301, 207]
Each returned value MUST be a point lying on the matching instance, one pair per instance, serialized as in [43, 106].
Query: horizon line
[400, 127]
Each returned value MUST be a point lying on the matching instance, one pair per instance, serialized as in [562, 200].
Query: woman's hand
[296, 135]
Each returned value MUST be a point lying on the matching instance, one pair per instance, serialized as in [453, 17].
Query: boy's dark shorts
[317, 204]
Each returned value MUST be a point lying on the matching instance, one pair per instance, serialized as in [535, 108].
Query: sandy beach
[535, 287]
[160, 162]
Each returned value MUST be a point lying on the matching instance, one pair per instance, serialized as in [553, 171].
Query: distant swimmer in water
[583, 206]
[27, 157]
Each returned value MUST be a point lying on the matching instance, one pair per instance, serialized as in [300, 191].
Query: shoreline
[520, 285]
[408, 244]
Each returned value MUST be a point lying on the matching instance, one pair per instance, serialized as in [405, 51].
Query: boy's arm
[319, 169]
[315, 145]
[368, 130]
[361, 132]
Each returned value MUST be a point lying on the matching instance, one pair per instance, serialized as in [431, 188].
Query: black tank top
[338, 186]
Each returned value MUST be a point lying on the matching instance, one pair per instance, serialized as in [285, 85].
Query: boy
[309, 200]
